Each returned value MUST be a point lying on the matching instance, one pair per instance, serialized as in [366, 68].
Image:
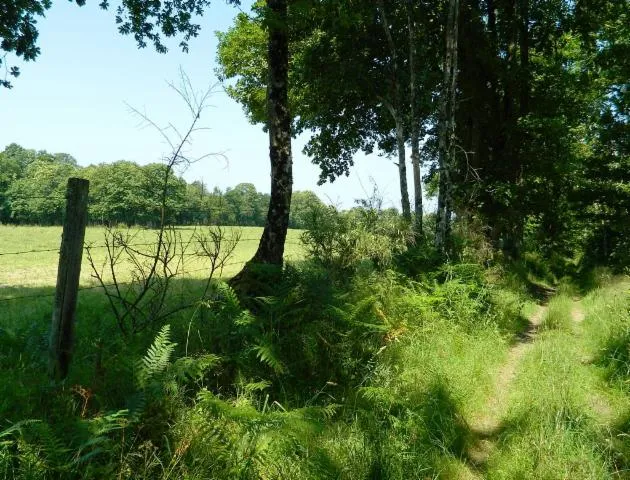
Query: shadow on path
[486, 426]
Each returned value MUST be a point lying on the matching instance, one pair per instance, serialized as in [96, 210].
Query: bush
[342, 241]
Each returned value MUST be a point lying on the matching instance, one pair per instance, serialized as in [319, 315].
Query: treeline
[32, 190]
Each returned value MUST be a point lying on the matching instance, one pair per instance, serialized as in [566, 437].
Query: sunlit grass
[40, 269]
[563, 415]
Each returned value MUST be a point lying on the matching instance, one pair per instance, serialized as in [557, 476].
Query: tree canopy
[540, 110]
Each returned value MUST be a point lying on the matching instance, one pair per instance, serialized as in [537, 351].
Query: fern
[157, 358]
[99, 442]
[244, 319]
[16, 428]
[227, 298]
[257, 386]
[193, 368]
[266, 354]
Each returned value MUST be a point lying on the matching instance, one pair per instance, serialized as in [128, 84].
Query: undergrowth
[362, 377]
[359, 366]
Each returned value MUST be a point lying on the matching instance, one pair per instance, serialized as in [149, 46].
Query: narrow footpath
[486, 425]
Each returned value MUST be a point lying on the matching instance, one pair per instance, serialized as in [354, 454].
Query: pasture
[29, 254]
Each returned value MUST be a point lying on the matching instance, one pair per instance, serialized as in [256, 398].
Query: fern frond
[193, 368]
[245, 318]
[56, 452]
[266, 354]
[257, 386]
[157, 358]
[227, 296]
[104, 424]
[17, 427]
[136, 405]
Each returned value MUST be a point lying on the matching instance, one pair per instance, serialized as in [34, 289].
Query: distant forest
[32, 189]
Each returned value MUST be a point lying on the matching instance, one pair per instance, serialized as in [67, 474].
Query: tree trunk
[513, 220]
[446, 156]
[415, 123]
[396, 112]
[508, 99]
[516, 232]
[402, 166]
[271, 247]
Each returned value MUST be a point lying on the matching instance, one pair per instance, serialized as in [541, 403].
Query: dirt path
[577, 312]
[486, 425]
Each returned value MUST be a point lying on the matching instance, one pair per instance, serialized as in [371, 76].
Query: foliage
[18, 32]
[343, 116]
[32, 191]
[344, 367]
[366, 375]
[542, 112]
[341, 241]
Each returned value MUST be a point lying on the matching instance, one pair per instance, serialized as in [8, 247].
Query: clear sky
[74, 98]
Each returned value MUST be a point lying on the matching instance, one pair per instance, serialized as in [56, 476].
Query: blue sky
[75, 98]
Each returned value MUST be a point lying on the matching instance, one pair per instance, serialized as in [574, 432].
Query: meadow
[23, 264]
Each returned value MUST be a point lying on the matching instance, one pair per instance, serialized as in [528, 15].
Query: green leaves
[157, 358]
[18, 31]
[265, 351]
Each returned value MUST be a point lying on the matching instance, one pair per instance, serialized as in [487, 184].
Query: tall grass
[558, 313]
[563, 416]
[368, 378]
[550, 430]
[350, 372]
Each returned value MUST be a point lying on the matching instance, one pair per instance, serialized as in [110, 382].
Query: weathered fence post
[71, 251]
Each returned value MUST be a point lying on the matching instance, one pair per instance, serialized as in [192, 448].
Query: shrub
[341, 241]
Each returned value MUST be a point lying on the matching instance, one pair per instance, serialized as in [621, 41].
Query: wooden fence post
[68, 272]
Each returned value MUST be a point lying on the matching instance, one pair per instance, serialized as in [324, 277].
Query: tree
[601, 196]
[13, 163]
[414, 118]
[526, 95]
[301, 205]
[150, 21]
[18, 32]
[32, 184]
[447, 139]
[395, 106]
[348, 98]
[242, 200]
[116, 195]
[39, 196]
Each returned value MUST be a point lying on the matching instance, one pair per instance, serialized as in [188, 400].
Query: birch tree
[446, 155]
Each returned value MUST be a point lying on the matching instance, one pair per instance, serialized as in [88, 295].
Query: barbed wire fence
[212, 214]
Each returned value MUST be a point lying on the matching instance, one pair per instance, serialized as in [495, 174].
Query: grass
[410, 361]
[558, 314]
[24, 322]
[564, 412]
[40, 269]
[381, 377]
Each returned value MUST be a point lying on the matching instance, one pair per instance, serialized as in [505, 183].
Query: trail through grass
[554, 413]
[486, 424]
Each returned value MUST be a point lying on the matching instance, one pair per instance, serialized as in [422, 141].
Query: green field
[39, 269]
